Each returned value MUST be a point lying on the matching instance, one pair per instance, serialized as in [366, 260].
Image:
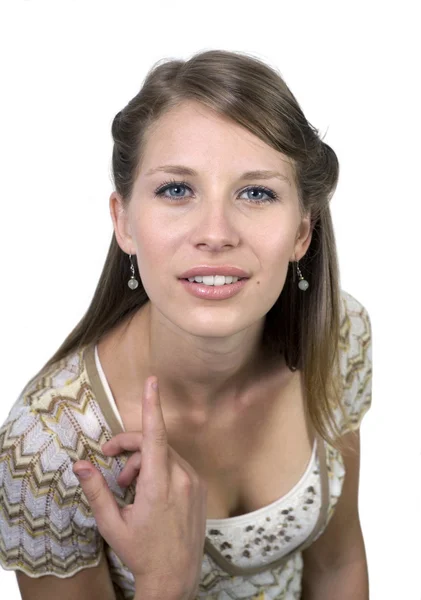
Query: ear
[120, 218]
[303, 238]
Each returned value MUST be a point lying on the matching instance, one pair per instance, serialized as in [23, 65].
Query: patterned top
[47, 526]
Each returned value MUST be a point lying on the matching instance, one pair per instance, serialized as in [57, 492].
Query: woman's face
[210, 219]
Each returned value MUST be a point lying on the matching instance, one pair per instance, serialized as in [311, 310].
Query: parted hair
[303, 325]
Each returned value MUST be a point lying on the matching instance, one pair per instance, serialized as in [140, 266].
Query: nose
[215, 226]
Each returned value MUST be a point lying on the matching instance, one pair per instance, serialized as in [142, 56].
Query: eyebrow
[182, 170]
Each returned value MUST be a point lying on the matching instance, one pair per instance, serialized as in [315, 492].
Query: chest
[248, 458]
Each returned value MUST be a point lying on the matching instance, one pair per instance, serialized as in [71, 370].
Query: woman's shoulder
[43, 527]
[50, 383]
[355, 331]
[54, 422]
[40, 427]
[355, 359]
[353, 310]
[57, 407]
[38, 402]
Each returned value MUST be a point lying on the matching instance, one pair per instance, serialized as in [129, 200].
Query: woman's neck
[196, 376]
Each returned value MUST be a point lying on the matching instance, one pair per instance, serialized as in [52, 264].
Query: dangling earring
[303, 284]
[133, 282]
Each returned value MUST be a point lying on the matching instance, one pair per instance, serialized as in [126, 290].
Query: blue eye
[272, 196]
[167, 185]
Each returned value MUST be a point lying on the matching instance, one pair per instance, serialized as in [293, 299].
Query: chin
[214, 326]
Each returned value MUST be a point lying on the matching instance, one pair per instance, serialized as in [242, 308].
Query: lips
[220, 270]
[212, 292]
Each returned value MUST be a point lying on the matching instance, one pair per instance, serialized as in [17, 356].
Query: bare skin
[167, 515]
[202, 351]
[234, 413]
[234, 418]
[250, 452]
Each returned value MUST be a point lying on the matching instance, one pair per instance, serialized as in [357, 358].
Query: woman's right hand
[160, 537]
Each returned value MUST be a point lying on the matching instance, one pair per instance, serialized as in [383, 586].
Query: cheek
[152, 235]
[155, 256]
[274, 250]
[274, 254]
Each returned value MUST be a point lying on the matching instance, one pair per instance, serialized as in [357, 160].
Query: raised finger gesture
[160, 537]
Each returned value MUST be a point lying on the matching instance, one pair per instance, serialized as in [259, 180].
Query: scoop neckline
[240, 519]
[104, 393]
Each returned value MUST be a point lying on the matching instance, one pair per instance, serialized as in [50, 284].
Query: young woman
[238, 476]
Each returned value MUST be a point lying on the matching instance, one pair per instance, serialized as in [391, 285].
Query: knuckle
[185, 480]
[93, 495]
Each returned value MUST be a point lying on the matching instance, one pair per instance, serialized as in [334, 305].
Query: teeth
[214, 279]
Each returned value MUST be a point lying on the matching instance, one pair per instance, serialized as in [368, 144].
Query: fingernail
[154, 386]
[83, 473]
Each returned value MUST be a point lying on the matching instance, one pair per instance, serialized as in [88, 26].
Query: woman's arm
[349, 582]
[87, 584]
[335, 565]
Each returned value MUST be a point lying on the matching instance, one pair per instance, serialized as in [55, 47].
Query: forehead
[197, 136]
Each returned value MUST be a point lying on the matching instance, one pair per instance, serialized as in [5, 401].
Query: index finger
[155, 441]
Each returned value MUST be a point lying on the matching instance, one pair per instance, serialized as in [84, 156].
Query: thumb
[101, 500]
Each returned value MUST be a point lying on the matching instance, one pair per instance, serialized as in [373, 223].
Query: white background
[68, 67]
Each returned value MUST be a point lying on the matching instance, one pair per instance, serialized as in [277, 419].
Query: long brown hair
[305, 326]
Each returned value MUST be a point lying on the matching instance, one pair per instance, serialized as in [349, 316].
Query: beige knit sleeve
[44, 529]
[356, 361]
